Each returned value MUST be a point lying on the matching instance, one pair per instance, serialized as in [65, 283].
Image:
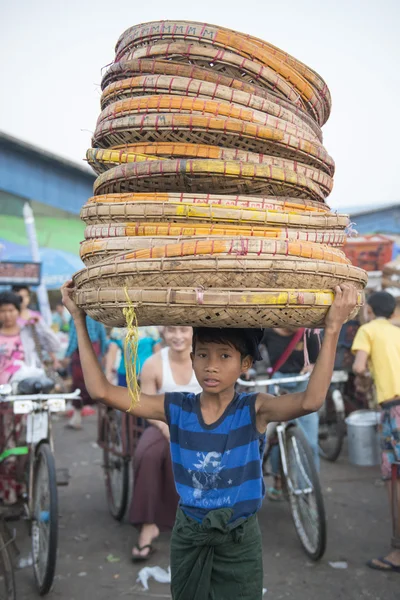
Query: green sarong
[213, 560]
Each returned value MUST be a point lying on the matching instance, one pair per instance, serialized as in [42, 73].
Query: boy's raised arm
[99, 388]
[290, 406]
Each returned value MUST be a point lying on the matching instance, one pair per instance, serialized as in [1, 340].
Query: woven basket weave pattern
[209, 203]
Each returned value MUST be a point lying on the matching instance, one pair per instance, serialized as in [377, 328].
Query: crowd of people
[174, 366]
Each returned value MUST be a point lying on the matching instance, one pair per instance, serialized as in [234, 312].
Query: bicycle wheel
[332, 427]
[7, 581]
[116, 466]
[305, 494]
[44, 519]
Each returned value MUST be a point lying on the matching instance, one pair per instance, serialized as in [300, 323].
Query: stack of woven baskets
[209, 206]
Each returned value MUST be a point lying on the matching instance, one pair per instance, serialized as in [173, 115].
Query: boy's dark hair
[18, 288]
[382, 304]
[245, 341]
[10, 298]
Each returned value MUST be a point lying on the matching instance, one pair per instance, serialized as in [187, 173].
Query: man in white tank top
[154, 499]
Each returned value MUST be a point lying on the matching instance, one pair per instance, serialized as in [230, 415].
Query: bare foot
[148, 533]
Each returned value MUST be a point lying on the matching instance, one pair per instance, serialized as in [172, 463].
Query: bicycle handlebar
[41, 397]
[271, 382]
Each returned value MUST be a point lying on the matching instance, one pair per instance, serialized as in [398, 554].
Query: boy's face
[218, 366]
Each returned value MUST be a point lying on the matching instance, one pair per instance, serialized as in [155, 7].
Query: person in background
[148, 344]
[377, 349]
[33, 319]
[18, 349]
[98, 337]
[18, 344]
[154, 498]
[26, 313]
[60, 318]
[290, 342]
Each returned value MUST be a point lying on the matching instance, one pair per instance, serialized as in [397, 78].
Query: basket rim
[121, 69]
[312, 88]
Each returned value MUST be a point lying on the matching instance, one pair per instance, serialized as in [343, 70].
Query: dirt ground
[358, 529]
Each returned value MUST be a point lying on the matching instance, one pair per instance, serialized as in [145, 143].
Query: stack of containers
[209, 205]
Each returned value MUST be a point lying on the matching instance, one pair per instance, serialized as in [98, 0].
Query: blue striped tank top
[218, 465]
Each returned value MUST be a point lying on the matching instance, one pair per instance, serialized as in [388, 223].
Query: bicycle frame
[30, 404]
[282, 426]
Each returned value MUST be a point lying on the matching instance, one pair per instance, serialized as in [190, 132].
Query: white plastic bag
[159, 574]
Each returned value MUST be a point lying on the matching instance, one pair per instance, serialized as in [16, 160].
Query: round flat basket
[201, 175]
[218, 270]
[130, 68]
[95, 249]
[101, 160]
[278, 203]
[209, 130]
[167, 103]
[156, 85]
[209, 308]
[228, 63]
[308, 84]
[176, 212]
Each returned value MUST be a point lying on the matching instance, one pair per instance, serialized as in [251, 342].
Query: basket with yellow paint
[110, 240]
[209, 207]
[209, 308]
[226, 263]
[101, 160]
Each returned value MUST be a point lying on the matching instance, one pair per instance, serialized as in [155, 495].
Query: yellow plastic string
[130, 352]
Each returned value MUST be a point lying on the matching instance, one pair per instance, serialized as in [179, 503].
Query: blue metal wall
[35, 176]
[384, 220]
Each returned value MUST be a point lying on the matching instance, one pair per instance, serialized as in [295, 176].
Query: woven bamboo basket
[228, 63]
[223, 40]
[156, 85]
[168, 103]
[101, 160]
[278, 203]
[222, 270]
[99, 246]
[210, 308]
[191, 213]
[145, 33]
[215, 131]
[201, 175]
[129, 68]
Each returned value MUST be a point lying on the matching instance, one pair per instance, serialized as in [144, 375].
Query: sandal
[151, 551]
[274, 494]
[390, 567]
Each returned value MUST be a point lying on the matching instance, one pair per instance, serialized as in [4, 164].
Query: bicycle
[39, 504]
[299, 476]
[7, 579]
[118, 435]
[332, 426]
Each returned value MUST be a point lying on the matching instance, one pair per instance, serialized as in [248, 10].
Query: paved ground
[358, 523]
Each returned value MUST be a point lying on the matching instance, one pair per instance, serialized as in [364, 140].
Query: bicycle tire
[44, 518]
[117, 501]
[334, 421]
[301, 470]
[7, 579]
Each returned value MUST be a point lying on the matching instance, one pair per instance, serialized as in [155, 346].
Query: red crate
[370, 252]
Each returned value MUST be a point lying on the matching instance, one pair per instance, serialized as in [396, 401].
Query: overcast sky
[52, 52]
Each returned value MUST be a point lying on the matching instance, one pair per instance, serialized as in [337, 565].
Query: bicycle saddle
[35, 385]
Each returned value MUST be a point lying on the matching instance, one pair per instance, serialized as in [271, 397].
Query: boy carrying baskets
[217, 444]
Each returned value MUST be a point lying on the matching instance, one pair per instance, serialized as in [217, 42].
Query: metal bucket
[364, 438]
